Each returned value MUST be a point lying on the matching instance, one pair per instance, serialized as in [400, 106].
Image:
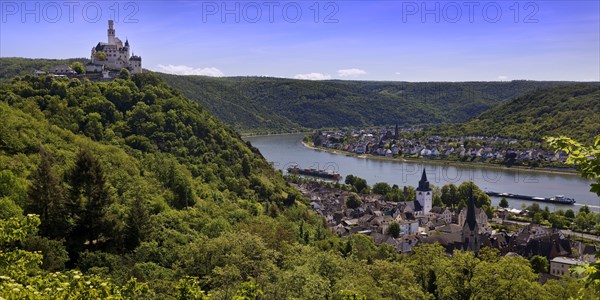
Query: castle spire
[111, 32]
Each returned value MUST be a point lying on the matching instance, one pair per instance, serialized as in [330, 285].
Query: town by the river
[284, 151]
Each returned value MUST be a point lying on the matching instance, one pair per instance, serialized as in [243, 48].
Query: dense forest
[571, 110]
[253, 103]
[126, 189]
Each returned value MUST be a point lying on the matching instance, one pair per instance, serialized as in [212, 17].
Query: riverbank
[244, 135]
[440, 162]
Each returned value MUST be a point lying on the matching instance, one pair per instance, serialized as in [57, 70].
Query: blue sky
[358, 40]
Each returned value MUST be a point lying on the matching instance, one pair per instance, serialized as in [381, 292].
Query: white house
[560, 265]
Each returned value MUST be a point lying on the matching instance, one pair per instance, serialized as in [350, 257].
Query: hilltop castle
[114, 55]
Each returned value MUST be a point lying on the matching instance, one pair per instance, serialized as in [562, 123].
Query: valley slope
[277, 104]
[572, 110]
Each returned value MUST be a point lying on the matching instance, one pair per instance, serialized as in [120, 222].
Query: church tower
[424, 193]
[470, 232]
[111, 32]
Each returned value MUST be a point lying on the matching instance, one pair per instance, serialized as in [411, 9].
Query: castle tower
[111, 32]
[470, 232]
[424, 194]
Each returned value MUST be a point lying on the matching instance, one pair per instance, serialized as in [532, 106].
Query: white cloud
[187, 70]
[313, 76]
[398, 73]
[502, 77]
[351, 72]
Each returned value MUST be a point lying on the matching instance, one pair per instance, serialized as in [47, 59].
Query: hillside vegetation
[571, 110]
[252, 103]
[17, 66]
[132, 191]
[262, 105]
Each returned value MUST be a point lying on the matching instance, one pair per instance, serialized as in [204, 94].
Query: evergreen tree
[89, 198]
[138, 220]
[246, 169]
[46, 199]
[503, 203]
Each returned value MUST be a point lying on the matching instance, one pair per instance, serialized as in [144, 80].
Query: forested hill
[128, 190]
[253, 103]
[572, 110]
[259, 104]
[129, 178]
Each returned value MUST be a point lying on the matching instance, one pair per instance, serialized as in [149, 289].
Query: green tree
[361, 185]
[394, 230]
[46, 199]
[78, 67]
[381, 188]
[249, 290]
[13, 187]
[569, 213]
[93, 126]
[354, 201]
[179, 182]
[503, 203]
[511, 277]
[189, 289]
[587, 158]
[424, 263]
[124, 74]
[409, 193]
[89, 199]
[350, 179]
[450, 195]
[454, 281]
[584, 209]
[539, 264]
[100, 55]
[246, 168]
[138, 222]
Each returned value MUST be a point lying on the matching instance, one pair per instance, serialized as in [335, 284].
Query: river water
[287, 150]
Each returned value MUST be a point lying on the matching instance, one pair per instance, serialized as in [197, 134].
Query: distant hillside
[572, 110]
[252, 103]
[17, 66]
[258, 104]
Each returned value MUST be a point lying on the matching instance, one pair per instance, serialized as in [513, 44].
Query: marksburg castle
[114, 55]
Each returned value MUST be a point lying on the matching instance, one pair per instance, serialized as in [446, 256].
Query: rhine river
[284, 151]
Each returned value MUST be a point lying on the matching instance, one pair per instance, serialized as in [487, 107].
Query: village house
[560, 265]
[442, 214]
[64, 70]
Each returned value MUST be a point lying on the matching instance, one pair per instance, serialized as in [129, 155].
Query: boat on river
[327, 174]
[558, 199]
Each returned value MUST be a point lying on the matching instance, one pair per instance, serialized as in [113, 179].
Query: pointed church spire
[470, 220]
[423, 183]
[470, 232]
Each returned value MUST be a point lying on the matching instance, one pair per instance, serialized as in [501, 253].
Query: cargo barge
[558, 199]
[327, 174]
